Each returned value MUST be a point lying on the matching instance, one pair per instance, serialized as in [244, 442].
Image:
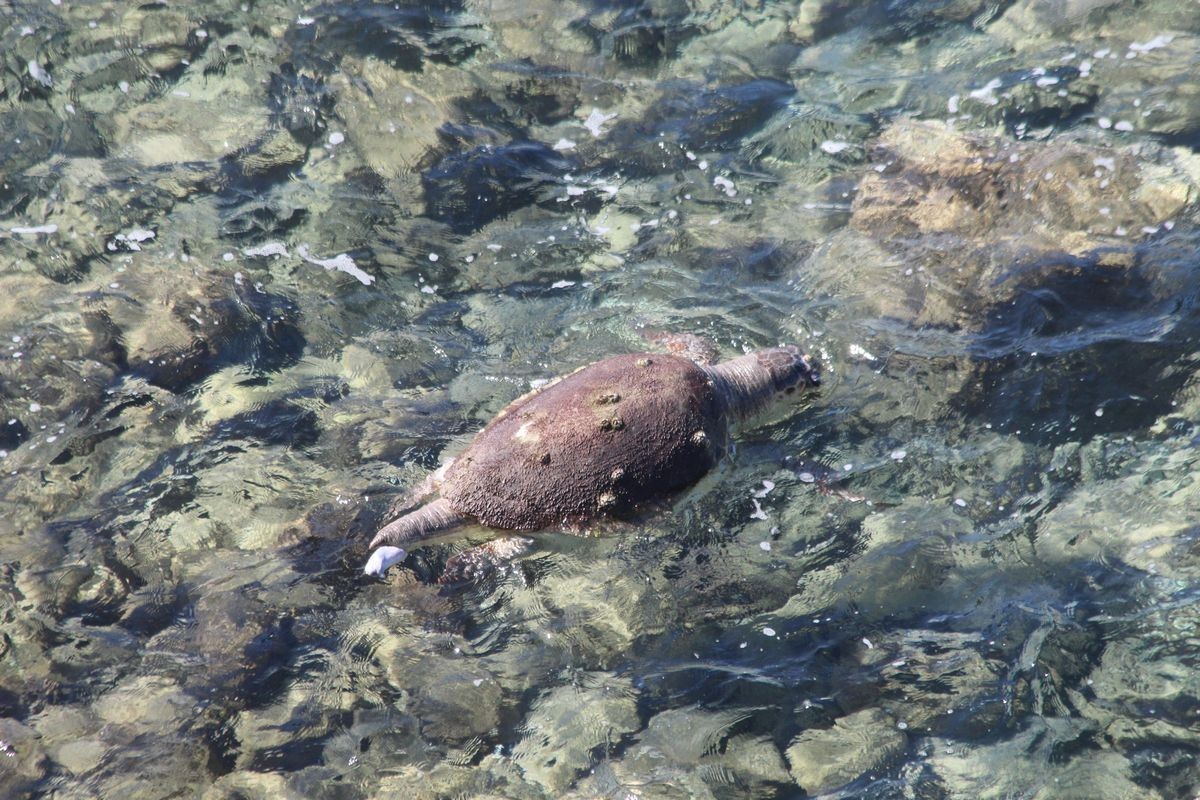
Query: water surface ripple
[267, 263]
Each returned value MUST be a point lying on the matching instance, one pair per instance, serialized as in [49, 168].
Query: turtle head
[748, 384]
[789, 370]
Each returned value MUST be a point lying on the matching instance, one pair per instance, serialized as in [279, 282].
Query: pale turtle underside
[601, 440]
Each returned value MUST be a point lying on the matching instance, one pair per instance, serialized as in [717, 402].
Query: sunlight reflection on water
[269, 264]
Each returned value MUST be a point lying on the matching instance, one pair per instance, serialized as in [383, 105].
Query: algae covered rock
[567, 724]
[937, 180]
[941, 683]
[25, 761]
[1032, 770]
[692, 752]
[247, 785]
[864, 742]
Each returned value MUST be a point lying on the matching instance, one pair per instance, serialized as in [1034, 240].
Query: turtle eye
[790, 390]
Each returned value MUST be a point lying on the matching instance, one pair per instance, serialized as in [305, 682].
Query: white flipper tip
[382, 558]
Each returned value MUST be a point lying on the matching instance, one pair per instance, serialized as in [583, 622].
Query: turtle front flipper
[685, 345]
[481, 561]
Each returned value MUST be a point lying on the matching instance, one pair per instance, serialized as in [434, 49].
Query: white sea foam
[268, 249]
[341, 263]
[1162, 40]
[987, 93]
[596, 120]
[39, 74]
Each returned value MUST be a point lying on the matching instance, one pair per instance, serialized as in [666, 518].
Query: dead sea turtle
[599, 441]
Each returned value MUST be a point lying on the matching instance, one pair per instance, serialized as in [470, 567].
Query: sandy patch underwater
[266, 263]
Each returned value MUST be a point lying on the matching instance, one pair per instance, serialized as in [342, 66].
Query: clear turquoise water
[267, 263]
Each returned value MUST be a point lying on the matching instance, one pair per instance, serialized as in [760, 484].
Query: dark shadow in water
[276, 423]
[1079, 347]
[809, 674]
[543, 94]
[688, 117]
[252, 327]
[897, 21]
[403, 34]
[638, 34]
[300, 103]
[468, 189]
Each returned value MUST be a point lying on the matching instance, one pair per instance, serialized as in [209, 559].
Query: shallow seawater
[265, 264]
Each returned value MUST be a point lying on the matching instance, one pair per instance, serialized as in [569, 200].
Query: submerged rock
[151, 765]
[909, 556]
[148, 704]
[494, 779]
[458, 703]
[1050, 758]
[176, 332]
[857, 745]
[533, 92]
[1007, 248]
[817, 19]
[809, 136]
[638, 35]
[937, 181]
[1142, 672]
[247, 785]
[274, 154]
[941, 683]
[568, 724]
[1062, 321]
[384, 362]
[66, 360]
[1032, 101]
[754, 759]
[405, 35]
[82, 755]
[24, 759]
[691, 752]
[31, 134]
[1150, 84]
[1160, 539]
[391, 119]
[300, 103]
[1027, 21]
[607, 614]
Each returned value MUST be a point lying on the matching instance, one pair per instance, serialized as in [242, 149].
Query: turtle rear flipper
[482, 561]
[431, 518]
